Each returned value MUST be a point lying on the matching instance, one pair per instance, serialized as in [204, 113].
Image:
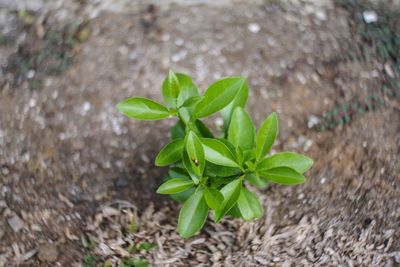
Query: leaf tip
[120, 106]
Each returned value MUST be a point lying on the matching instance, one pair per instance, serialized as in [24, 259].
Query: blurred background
[77, 179]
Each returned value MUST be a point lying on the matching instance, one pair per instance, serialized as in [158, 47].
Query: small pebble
[48, 253]
[15, 223]
[370, 16]
[254, 27]
[312, 121]
[321, 15]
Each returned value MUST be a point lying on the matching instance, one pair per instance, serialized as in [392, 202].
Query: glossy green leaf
[217, 182]
[283, 175]
[214, 198]
[175, 185]
[187, 109]
[188, 166]
[203, 130]
[241, 130]
[170, 153]
[266, 135]
[228, 144]
[249, 154]
[192, 215]
[187, 88]
[213, 170]
[256, 180]
[178, 172]
[183, 196]
[195, 152]
[192, 101]
[142, 109]
[249, 205]
[239, 101]
[171, 89]
[218, 153]
[218, 96]
[239, 155]
[295, 161]
[178, 130]
[235, 212]
[231, 194]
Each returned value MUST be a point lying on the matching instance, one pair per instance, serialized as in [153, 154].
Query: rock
[312, 121]
[370, 16]
[321, 15]
[15, 223]
[254, 27]
[48, 252]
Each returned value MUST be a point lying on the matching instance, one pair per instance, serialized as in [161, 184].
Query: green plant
[208, 172]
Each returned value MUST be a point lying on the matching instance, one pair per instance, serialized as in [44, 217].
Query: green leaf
[283, 175]
[192, 101]
[188, 88]
[187, 108]
[231, 194]
[142, 109]
[145, 246]
[134, 262]
[140, 263]
[256, 180]
[212, 169]
[239, 155]
[203, 129]
[295, 161]
[178, 131]
[249, 154]
[218, 153]
[241, 130]
[175, 185]
[192, 215]
[239, 101]
[217, 182]
[195, 152]
[213, 197]
[218, 96]
[249, 206]
[170, 153]
[171, 89]
[178, 172]
[235, 212]
[108, 263]
[188, 166]
[183, 196]
[266, 135]
[228, 144]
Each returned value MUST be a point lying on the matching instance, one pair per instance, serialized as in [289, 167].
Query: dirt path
[72, 168]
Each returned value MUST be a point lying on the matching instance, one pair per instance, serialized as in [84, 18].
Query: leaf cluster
[212, 173]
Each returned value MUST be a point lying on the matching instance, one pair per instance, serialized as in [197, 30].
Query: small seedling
[134, 262]
[90, 260]
[208, 172]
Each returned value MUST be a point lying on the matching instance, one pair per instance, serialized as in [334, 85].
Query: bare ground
[72, 167]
